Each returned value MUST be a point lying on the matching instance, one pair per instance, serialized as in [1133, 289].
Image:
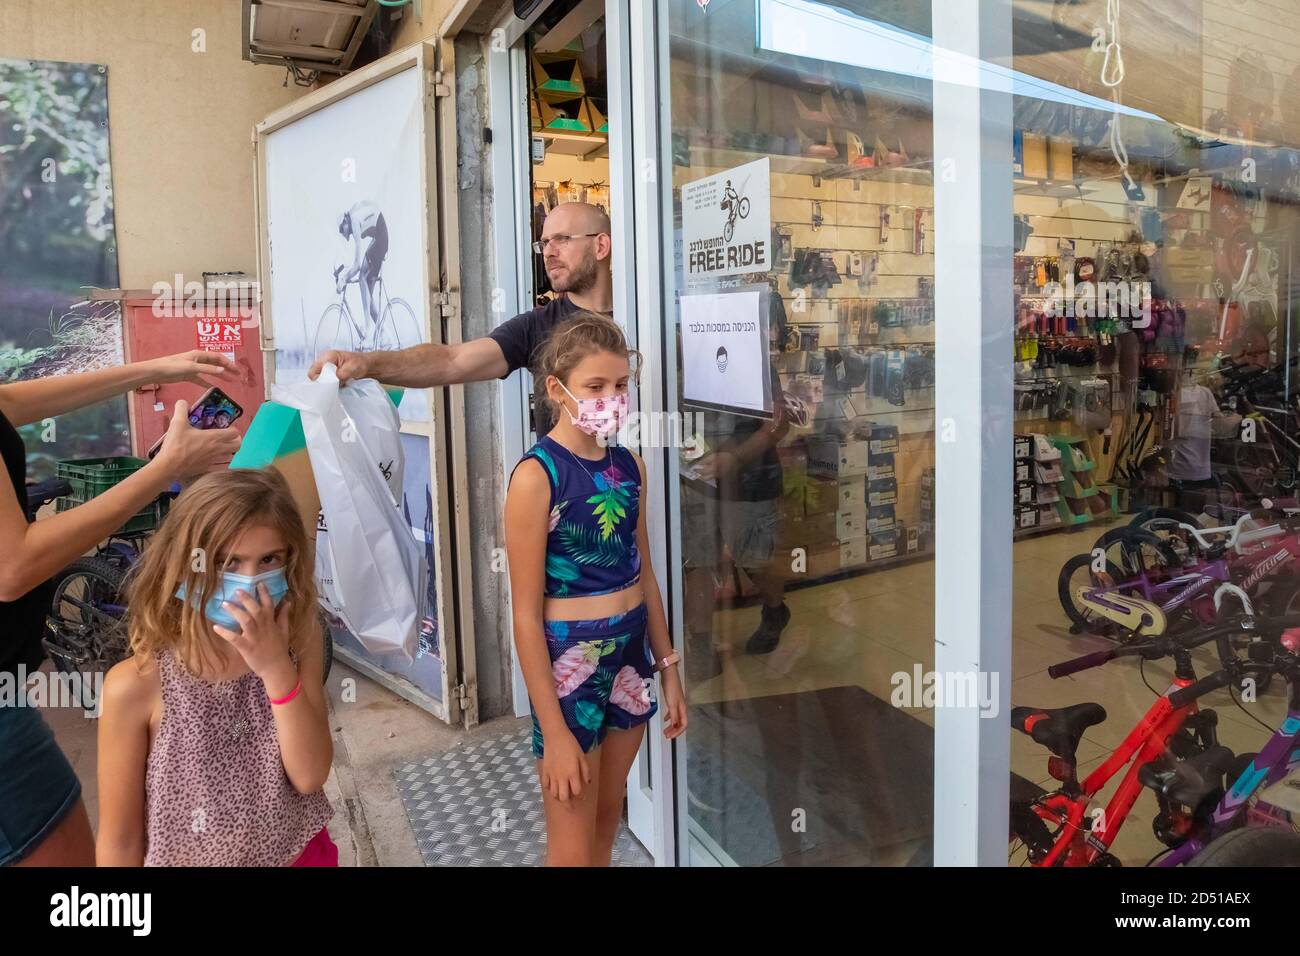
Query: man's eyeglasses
[562, 241]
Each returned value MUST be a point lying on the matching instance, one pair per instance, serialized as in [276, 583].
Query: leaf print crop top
[595, 505]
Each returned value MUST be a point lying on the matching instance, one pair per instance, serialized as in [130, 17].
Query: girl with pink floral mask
[589, 622]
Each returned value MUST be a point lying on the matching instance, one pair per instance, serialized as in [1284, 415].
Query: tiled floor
[861, 631]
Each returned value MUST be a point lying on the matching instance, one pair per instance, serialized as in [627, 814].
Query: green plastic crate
[91, 477]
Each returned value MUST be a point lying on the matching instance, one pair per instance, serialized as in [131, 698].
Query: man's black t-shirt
[521, 337]
[21, 621]
[521, 340]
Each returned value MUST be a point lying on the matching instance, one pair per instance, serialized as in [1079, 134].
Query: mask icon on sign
[722, 359]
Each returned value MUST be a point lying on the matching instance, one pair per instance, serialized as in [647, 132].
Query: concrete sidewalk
[371, 736]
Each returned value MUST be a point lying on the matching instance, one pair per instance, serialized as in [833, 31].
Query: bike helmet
[796, 412]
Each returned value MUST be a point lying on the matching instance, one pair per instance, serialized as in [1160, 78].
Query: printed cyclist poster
[345, 231]
[727, 223]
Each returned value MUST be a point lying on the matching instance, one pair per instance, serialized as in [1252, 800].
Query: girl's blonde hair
[204, 522]
[578, 336]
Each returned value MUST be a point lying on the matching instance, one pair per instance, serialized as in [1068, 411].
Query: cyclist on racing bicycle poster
[364, 225]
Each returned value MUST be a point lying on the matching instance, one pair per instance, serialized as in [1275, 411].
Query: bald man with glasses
[575, 248]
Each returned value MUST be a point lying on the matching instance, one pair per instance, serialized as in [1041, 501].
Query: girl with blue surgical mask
[214, 740]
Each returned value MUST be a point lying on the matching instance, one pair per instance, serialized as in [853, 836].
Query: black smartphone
[214, 409]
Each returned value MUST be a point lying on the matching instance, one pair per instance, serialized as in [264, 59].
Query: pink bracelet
[292, 694]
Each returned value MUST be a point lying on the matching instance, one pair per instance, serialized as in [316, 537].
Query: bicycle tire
[728, 231]
[1253, 464]
[1167, 520]
[742, 207]
[341, 335]
[1251, 846]
[86, 639]
[1131, 541]
[110, 576]
[1064, 590]
[394, 333]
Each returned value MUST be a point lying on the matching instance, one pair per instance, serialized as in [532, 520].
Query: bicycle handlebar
[1066, 668]
[1154, 648]
[1184, 696]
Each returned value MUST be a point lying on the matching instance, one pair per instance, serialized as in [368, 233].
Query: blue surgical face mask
[230, 582]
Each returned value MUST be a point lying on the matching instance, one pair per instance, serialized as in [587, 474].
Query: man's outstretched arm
[421, 366]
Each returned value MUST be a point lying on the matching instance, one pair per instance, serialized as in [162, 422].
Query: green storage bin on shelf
[91, 477]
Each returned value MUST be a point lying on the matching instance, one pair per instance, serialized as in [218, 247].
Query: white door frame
[512, 233]
[974, 417]
[635, 207]
[631, 74]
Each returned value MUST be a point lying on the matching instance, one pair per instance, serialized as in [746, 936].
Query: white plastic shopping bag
[370, 570]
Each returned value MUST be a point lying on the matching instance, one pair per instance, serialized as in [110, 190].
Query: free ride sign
[727, 222]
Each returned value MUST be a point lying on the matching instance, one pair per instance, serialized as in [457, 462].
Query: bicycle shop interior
[1154, 328]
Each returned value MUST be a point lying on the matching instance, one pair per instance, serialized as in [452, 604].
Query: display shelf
[727, 158]
[1068, 517]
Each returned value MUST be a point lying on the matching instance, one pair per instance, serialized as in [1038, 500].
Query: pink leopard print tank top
[216, 792]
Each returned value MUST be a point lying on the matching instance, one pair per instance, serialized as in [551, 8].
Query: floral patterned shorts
[604, 676]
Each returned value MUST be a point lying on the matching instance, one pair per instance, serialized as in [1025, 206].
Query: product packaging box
[883, 440]
[880, 518]
[830, 458]
[850, 523]
[882, 544]
[853, 492]
[880, 466]
[882, 492]
[821, 495]
[853, 552]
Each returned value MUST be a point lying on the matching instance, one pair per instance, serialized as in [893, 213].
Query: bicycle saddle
[1191, 780]
[1060, 729]
[41, 493]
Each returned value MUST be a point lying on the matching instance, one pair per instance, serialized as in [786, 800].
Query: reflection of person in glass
[732, 517]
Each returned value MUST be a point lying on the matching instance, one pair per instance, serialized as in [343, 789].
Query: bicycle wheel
[1251, 846]
[727, 230]
[398, 328]
[1078, 572]
[743, 209]
[334, 331]
[1136, 551]
[85, 632]
[1255, 466]
[1165, 523]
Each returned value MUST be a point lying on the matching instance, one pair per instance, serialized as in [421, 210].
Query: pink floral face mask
[600, 417]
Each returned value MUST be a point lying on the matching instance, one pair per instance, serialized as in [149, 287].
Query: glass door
[798, 352]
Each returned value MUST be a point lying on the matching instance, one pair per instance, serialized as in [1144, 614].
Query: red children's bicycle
[1061, 828]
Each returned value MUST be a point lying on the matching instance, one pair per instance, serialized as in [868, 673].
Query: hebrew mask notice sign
[724, 352]
[727, 222]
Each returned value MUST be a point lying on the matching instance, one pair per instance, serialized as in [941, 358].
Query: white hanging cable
[1112, 77]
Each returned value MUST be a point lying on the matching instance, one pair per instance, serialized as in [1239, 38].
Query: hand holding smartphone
[214, 409]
